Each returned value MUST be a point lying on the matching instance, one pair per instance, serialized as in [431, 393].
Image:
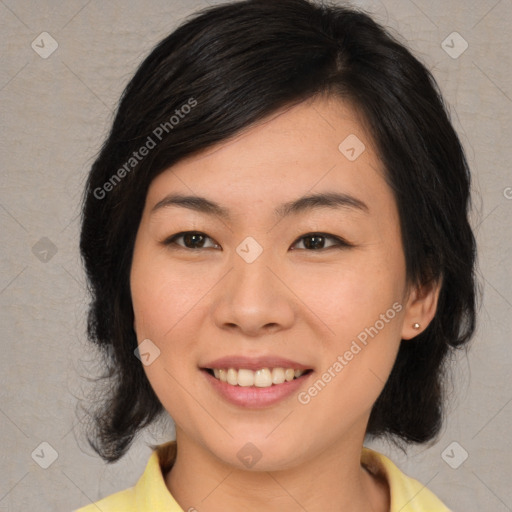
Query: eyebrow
[307, 203]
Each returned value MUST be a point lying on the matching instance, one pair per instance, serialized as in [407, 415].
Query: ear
[420, 308]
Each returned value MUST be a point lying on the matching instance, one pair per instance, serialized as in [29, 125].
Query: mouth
[260, 378]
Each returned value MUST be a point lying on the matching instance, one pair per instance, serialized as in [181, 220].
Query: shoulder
[407, 494]
[149, 494]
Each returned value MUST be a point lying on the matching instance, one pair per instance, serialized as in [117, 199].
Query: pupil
[190, 239]
[315, 242]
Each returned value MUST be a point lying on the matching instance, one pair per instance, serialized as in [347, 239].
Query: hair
[234, 64]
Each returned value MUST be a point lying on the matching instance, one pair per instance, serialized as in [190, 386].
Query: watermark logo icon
[44, 45]
[249, 250]
[454, 455]
[147, 352]
[249, 455]
[45, 455]
[44, 249]
[454, 45]
[352, 147]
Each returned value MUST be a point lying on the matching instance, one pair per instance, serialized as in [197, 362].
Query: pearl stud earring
[416, 326]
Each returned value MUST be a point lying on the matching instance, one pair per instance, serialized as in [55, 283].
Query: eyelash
[340, 242]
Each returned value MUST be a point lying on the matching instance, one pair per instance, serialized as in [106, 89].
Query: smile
[262, 378]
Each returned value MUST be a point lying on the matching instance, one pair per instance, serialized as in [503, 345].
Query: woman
[277, 242]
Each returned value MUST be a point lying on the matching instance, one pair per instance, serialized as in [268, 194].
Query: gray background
[55, 114]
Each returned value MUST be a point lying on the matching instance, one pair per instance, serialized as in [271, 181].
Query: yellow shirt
[150, 494]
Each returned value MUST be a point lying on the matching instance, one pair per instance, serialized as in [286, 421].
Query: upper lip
[254, 363]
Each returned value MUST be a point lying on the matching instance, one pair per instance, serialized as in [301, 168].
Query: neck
[333, 481]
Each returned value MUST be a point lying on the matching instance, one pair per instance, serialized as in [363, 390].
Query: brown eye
[191, 240]
[316, 241]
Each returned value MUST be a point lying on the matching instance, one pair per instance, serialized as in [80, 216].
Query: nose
[253, 299]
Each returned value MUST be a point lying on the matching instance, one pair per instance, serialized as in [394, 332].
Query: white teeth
[289, 374]
[277, 376]
[232, 377]
[263, 378]
[245, 377]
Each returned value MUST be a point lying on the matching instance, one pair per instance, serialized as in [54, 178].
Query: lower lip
[254, 397]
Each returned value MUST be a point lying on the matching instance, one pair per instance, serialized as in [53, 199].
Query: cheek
[167, 301]
[350, 296]
[163, 294]
[360, 303]
[357, 359]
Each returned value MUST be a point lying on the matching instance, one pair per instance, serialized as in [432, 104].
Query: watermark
[147, 352]
[44, 45]
[249, 249]
[454, 45]
[248, 455]
[151, 142]
[45, 455]
[44, 249]
[507, 192]
[454, 455]
[352, 147]
[304, 397]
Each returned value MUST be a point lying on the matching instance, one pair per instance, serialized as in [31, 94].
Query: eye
[316, 241]
[311, 241]
[191, 240]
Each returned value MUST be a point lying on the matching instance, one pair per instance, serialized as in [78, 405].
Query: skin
[198, 304]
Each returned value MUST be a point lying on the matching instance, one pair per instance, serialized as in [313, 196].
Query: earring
[416, 326]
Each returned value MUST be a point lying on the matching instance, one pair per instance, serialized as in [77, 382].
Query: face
[254, 276]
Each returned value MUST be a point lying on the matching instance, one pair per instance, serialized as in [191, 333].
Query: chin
[257, 452]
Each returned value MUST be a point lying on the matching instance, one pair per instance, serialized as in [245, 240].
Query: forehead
[320, 145]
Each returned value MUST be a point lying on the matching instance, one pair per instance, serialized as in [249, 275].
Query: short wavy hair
[234, 64]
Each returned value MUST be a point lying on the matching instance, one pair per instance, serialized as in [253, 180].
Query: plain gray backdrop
[57, 104]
